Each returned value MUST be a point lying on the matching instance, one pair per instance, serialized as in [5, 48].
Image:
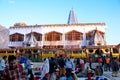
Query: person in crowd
[72, 60]
[29, 69]
[2, 64]
[45, 69]
[12, 72]
[69, 74]
[82, 64]
[90, 62]
[103, 61]
[52, 70]
[77, 61]
[63, 77]
[98, 71]
[88, 73]
[22, 61]
[45, 77]
[77, 66]
[100, 78]
[69, 64]
[74, 76]
[20, 67]
[115, 66]
[99, 60]
[107, 63]
[61, 63]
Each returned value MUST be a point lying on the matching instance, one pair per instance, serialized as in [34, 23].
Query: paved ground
[105, 74]
[109, 75]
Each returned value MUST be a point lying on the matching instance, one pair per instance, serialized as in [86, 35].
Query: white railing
[53, 43]
[20, 43]
[72, 42]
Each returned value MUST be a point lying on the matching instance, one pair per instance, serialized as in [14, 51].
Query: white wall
[43, 29]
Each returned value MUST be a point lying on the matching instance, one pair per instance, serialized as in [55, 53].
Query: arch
[73, 35]
[99, 52]
[37, 36]
[91, 33]
[16, 37]
[53, 36]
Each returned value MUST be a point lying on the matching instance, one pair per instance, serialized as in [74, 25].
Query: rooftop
[57, 25]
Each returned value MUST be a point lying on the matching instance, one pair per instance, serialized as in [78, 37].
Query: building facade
[70, 35]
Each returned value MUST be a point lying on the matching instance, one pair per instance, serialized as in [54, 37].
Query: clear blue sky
[56, 12]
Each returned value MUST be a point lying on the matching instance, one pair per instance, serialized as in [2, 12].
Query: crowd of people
[12, 68]
[68, 68]
[58, 68]
[105, 63]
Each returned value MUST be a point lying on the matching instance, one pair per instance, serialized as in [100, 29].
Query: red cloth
[90, 60]
[89, 76]
[20, 67]
[99, 60]
[47, 74]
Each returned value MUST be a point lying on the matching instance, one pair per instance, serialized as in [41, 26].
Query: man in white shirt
[2, 63]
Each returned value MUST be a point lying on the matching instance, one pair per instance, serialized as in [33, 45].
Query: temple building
[70, 35]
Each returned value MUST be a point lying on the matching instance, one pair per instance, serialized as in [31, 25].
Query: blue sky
[56, 12]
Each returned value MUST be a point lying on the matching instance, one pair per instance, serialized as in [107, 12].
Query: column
[63, 39]
[42, 42]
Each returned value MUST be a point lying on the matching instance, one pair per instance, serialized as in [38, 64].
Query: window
[74, 35]
[53, 36]
[16, 37]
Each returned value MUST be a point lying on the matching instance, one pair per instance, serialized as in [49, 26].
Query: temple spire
[72, 19]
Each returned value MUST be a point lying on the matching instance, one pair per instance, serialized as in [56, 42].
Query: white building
[70, 35]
